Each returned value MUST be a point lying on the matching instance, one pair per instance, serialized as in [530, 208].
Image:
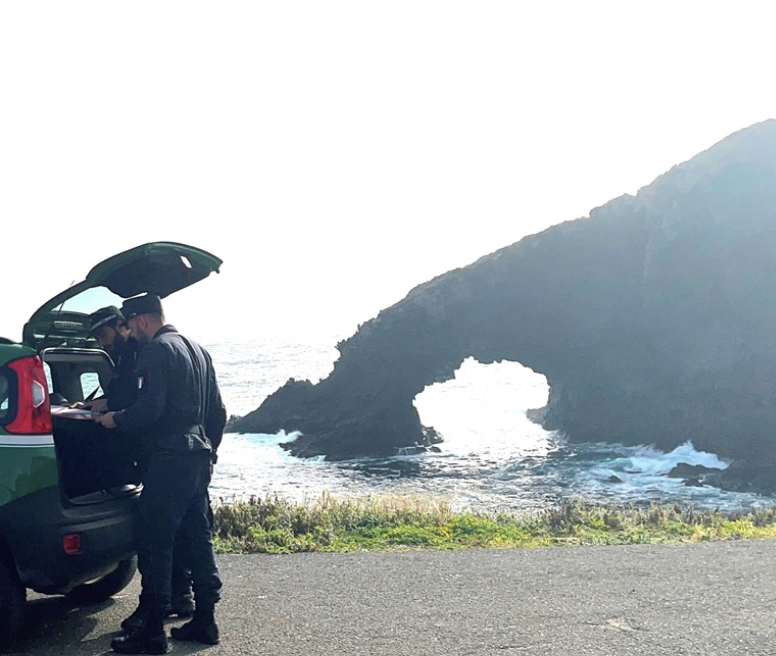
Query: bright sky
[336, 154]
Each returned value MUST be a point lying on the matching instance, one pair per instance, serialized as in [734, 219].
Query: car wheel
[12, 597]
[106, 586]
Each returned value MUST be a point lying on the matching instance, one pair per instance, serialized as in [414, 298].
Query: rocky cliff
[653, 319]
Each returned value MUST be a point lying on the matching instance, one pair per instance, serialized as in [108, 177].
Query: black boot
[202, 628]
[136, 620]
[150, 638]
[181, 605]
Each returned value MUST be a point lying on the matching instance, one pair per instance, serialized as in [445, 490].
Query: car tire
[106, 586]
[12, 599]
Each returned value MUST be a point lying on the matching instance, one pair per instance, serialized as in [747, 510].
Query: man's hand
[98, 405]
[106, 420]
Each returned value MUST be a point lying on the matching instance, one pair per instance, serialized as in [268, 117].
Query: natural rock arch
[493, 402]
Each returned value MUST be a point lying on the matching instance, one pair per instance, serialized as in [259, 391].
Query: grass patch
[386, 523]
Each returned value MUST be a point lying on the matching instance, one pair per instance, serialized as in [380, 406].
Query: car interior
[93, 461]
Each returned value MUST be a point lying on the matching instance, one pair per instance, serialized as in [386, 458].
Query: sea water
[493, 457]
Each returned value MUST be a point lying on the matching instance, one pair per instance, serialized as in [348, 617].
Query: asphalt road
[714, 598]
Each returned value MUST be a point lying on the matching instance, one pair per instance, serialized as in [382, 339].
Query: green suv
[67, 494]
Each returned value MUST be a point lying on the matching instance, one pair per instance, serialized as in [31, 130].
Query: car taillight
[71, 543]
[33, 410]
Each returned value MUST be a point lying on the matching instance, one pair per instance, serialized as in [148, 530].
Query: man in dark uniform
[112, 334]
[110, 329]
[182, 416]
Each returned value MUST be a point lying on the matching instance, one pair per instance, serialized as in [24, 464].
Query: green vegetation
[389, 523]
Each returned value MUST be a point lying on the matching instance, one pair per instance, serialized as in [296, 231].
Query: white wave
[649, 460]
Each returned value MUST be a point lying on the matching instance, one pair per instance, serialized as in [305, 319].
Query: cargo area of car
[94, 462]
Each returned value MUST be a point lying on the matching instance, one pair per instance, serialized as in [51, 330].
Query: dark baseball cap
[103, 316]
[145, 304]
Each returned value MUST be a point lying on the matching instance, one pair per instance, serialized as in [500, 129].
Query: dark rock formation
[653, 319]
[693, 472]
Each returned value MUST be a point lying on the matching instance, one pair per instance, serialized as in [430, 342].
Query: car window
[91, 299]
[68, 323]
[5, 391]
[90, 385]
[47, 370]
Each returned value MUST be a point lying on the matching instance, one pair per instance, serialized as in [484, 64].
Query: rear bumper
[33, 527]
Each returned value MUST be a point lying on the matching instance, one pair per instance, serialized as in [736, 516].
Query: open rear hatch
[160, 268]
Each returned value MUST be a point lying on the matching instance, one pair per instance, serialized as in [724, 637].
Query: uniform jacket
[122, 389]
[179, 406]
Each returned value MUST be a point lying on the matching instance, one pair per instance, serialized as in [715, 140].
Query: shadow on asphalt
[55, 622]
[55, 625]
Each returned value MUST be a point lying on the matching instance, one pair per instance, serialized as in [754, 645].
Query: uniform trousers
[174, 501]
